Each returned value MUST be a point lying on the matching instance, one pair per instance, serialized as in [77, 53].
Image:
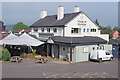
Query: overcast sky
[29, 12]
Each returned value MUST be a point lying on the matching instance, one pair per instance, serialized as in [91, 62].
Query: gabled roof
[52, 20]
[78, 40]
[114, 32]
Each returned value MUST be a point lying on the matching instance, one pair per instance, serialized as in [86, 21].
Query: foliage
[116, 28]
[20, 25]
[110, 36]
[97, 22]
[5, 54]
[34, 52]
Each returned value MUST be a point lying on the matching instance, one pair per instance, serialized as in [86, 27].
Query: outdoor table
[41, 59]
[15, 59]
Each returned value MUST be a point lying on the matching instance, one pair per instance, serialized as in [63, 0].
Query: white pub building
[71, 35]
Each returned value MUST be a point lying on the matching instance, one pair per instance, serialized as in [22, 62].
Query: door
[107, 56]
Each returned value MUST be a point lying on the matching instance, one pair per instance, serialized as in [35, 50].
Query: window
[93, 30]
[55, 29]
[63, 49]
[84, 30]
[42, 29]
[107, 53]
[48, 29]
[36, 29]
[87, 30]
[85, 49]
[75, 30]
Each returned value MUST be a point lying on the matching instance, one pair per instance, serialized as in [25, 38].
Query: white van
[100, 55]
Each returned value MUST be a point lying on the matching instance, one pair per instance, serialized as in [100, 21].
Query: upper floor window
[84, 30]
[74, 30]
[36, 29]
[87, 30]
[55, 29]
[93, 30]
[48, 29]
[42, 29]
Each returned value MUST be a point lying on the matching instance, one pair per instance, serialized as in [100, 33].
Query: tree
[20, 25]
[97, 22]
[116, 28]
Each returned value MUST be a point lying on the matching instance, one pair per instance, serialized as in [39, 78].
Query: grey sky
[29, 12]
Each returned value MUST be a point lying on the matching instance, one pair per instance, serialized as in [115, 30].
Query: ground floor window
[85, 49]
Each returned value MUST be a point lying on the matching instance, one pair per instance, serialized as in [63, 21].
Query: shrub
[34, 52]
[5, 55]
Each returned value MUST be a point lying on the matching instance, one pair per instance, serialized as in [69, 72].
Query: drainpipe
[63, 32]
[71, 51]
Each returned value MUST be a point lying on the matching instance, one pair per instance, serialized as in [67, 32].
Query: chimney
[43, 14]
[60, 13]
[76, 9]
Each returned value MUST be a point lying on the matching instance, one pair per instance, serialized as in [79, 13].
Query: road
[28, 69]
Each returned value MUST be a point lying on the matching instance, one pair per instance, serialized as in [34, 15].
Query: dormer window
[55, 30]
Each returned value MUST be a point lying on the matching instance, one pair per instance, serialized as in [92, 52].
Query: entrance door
[50, 50]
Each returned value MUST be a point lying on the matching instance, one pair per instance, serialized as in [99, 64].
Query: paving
[60, 69]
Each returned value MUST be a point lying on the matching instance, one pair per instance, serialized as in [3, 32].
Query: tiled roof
[52, 20]
[27, 31]
[77, 40]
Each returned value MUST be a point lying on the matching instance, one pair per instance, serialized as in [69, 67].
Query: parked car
[100, 55]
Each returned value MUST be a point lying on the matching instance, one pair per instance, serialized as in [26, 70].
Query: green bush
[5, 55]
[34, 52]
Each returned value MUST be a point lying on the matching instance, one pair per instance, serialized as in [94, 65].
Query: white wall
[74, 24]
[58, 33]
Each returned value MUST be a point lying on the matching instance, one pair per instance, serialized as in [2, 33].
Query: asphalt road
[28, 69]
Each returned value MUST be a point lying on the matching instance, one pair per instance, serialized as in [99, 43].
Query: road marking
[85, 75]
[53, 76]
[45, 75]
[78, 74]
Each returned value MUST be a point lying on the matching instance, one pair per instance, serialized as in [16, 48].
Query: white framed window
[42, 29]
[55, 30]
[85, 49]
[76, 30]
[35, 29]
[84, 30]
[87, 30]
[93, 30]
[48, 29]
